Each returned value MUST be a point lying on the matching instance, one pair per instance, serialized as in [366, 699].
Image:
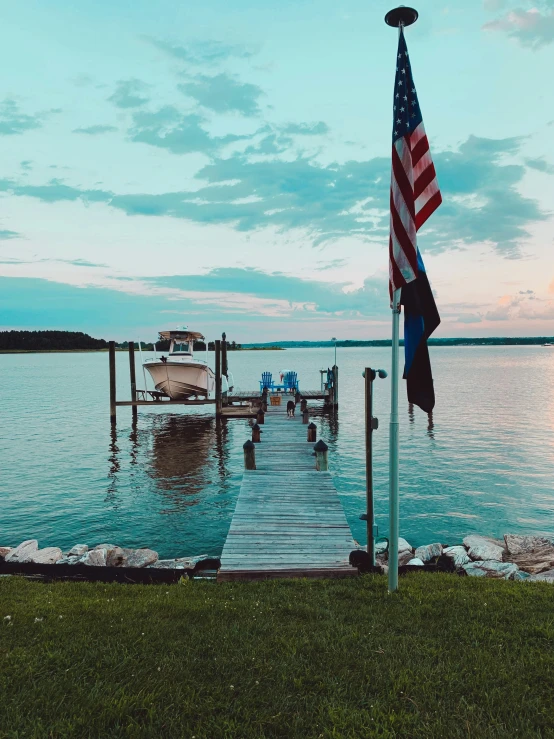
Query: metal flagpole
[398, 17]
[394, 507]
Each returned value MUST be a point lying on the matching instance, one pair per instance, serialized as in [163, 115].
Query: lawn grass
[444, 657]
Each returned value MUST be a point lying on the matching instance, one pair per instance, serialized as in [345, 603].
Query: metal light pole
[398, 18]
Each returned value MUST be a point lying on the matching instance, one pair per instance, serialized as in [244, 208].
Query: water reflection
[181, 449]
[430, 426]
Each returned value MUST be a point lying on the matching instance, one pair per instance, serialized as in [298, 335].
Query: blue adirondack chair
[266, 381]
[290, 381]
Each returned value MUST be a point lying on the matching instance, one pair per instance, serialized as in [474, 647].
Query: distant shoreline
[315, 345]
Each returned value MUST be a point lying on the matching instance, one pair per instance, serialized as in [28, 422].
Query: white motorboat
[179, 374]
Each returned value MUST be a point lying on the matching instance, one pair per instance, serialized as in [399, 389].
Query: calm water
[485, 464]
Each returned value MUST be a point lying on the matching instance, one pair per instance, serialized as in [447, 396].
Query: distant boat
[179, 374]
[548, 344]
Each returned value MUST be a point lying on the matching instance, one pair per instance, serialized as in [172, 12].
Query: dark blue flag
[421, 318]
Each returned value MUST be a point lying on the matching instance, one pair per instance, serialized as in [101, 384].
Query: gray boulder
[516, 544]
[141, 558]
[428, 552]
[520, 575]
[543, 576]
[416, 561]
[458, 555]
[22, 552]
[78, 550]
[491, 568]
[482, 548]
[46, 556]
[116, 557]
[4, 551]
[95, 558]
[72, 559]
[168, 564]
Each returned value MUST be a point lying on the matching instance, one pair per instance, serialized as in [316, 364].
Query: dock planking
[288, 521]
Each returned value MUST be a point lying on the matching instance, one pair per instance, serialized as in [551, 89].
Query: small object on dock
[260, 416]
[312, 432]
[321, 456]
[249, 455]
[305, 416]
[256, 433]
[275, 400]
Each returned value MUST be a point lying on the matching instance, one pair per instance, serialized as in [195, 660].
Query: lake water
[485, 464]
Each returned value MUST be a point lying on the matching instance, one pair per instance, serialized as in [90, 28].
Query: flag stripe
[426, 178]
[428, 209]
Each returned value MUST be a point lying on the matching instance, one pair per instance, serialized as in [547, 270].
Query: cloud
[13, 121]
[470, 318]
[482, 202]
[224, 93]
[129, 94]
[95, 130]
[179, 133]
[306, 129]
[533, 28]
[523, 306]
[541, 165]
[5, 235]
[493, 5]
[201, 53]
[333, 264]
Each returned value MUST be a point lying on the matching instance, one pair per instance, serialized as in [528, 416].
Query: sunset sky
[227, 165]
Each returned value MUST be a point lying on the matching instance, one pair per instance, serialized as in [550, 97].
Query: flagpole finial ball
[401, 16]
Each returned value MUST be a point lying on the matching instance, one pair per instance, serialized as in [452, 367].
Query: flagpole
[398, 17]
[394, 507]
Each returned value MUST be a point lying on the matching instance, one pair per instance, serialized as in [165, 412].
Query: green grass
[444, 657]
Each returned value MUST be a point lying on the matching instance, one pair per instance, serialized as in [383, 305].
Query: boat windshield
[181, 348]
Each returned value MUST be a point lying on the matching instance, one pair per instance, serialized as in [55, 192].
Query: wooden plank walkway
[288, 521]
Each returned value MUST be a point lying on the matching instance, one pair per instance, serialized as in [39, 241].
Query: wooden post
[224, 365]
[321, 456]
[369, 426]
[264, 399]
[260, 417]
[249, 455]
[305, 416]
[303, 404]
[112, 381]
[297, 397]
[256, 433]
[336, 386]
[133, 378]
[312, 432]
[217, 377]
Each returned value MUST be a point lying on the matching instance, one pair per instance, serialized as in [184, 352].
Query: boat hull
[181, 381]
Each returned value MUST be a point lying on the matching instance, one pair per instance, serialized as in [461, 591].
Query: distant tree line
[49, 341]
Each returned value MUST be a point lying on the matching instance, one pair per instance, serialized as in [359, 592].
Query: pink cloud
[531, 27]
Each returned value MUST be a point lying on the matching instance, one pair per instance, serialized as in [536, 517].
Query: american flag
[414, 191]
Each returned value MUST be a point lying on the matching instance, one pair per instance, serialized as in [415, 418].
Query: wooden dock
[288, 521]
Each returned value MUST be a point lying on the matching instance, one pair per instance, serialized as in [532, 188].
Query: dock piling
[260, 417]
[312, 432]
[256, 433]
[218, 403]
[305, 416]
[303, 405]
[249, 455]
[133, 378]
[335, 386]
[321, 456]
[112, 382]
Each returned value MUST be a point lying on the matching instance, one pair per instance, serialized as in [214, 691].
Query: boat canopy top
[182, 335]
